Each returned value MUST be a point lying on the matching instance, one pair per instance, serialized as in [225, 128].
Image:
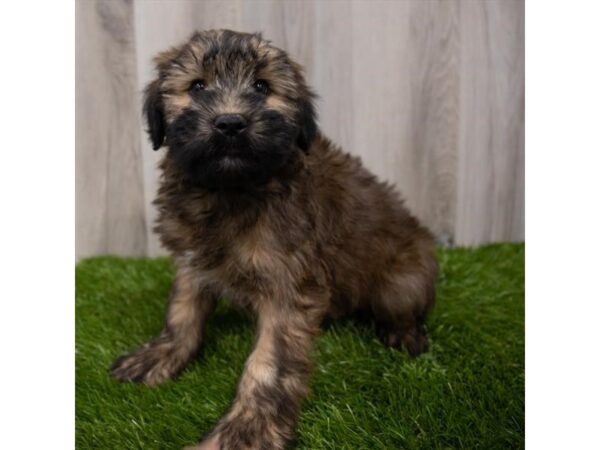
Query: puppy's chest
[239, 262]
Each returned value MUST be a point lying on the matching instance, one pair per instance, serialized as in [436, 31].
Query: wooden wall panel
[381, 87]
[108, 178]
[158, 25]
[430, 157]
[331, 74]
[428, 93]
[490, 195]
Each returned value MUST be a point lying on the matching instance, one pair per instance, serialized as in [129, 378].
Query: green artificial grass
[467, 392]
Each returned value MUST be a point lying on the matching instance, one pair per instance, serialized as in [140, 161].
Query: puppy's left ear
[155, 114]
[308, 123]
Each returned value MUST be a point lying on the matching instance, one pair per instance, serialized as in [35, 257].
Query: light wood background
[429, 93]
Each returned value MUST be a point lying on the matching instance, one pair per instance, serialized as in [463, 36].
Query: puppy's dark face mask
[232, 109]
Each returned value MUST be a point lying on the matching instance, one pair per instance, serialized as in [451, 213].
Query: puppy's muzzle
[230, 124]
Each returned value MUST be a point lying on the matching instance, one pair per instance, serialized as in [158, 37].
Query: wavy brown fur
[294, 232]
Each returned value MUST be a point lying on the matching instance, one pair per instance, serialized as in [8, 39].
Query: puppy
[257, 206]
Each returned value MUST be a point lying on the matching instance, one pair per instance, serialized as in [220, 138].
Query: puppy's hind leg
[165, 356]
[405, 297]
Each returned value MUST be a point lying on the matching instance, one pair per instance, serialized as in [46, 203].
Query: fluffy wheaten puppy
[259, 207]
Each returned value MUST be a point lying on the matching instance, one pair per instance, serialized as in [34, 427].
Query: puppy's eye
[197, 85]
[261, 86]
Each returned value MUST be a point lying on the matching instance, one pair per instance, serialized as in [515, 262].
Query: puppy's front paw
[154, 363]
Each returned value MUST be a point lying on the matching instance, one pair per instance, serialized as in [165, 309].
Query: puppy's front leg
[165, 356]
[264, 412]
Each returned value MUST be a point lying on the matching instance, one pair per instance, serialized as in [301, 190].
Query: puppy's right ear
[155, 114]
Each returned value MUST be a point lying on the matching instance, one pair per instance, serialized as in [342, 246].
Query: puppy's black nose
[230, 124]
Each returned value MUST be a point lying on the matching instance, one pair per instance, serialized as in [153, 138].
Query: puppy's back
[366, 233]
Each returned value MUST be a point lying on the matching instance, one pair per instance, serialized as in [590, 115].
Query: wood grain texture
[429, 93]
[490, 194]
[109, 192]
[152, 35]
[381, 87]
[429, 161]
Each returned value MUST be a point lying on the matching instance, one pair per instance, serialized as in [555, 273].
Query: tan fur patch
[254, 249]
[277, 103]
[183, 308]
[175, 104]
[230, 105]
[260, 365]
